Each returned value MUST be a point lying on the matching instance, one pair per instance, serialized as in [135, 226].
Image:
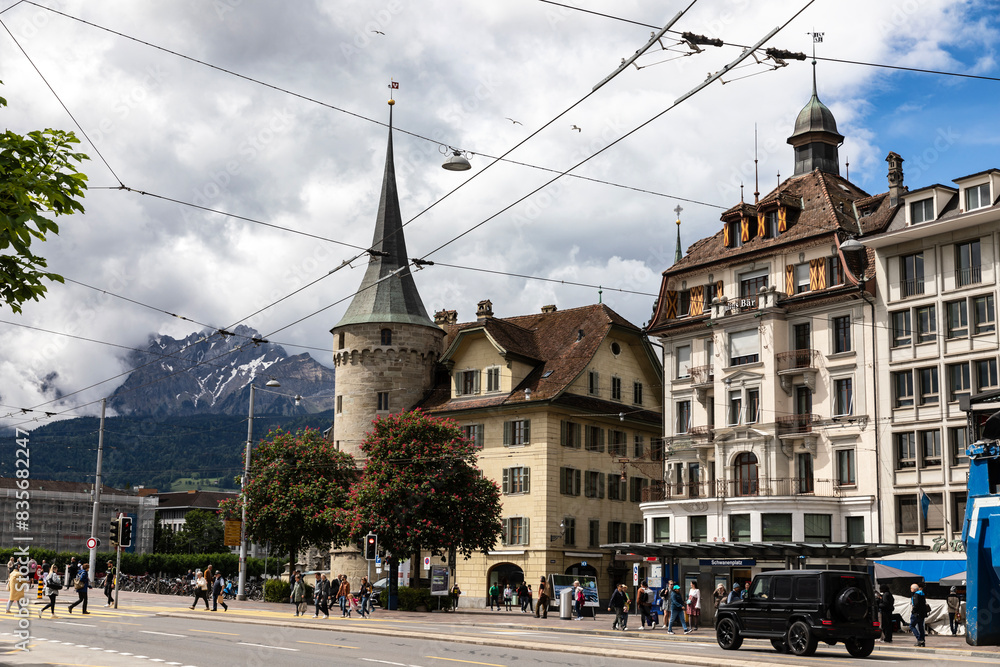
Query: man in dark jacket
[109, 583]
[918, 612]
[322, 597]
[886, 604]
[217, 587]
[619, 602]
[81, 592]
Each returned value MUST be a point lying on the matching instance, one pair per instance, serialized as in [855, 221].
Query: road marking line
[165, 634]
[213, 632]
[385, 662]
[277, 648]
[82, 625]
[121, 623]
[322, 644]
[469, 662]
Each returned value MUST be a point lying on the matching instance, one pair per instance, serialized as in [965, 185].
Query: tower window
[383, 401]
[340, 341]
[387, 336]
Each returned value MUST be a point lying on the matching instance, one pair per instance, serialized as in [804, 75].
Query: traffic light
[126, 532]
[371, 546]
[114, 533]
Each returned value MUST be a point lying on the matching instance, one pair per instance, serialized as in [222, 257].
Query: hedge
[170, 565]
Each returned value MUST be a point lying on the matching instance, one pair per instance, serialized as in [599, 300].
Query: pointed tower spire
[387, 293]
[677, 253]
[815, 137]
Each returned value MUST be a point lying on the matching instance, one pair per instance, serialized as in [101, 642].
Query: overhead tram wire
[355, 114]
[746, 53]
[862, 63]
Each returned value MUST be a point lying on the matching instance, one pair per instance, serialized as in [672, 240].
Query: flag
[818, 37]
[395, 85]
[925, 503]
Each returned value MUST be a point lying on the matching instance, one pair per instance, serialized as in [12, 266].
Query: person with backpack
[644, 605]
[81, 584]
[918, 612]
[677, 610]
[954, 609]
[619, 603]
[109, 584]
[53, 584]
[579, 598]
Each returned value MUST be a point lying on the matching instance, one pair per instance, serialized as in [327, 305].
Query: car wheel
[851, 604]
[780, 645]
[800, 639]
[728, 635]
[860, 648]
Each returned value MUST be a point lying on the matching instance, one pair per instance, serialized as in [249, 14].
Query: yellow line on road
[213, 632]
[468, 662]
[322, 644]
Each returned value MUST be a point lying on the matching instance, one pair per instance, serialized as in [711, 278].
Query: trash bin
[566, 603]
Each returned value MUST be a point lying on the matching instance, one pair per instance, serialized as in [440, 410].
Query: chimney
[484, 309]
[549, 309]
[896, 187]
[443, 318]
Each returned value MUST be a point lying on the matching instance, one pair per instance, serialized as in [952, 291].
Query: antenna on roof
[677, 253]
[756, 184]
[848, 165]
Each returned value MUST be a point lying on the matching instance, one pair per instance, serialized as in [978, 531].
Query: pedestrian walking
[644, 606]
[494, 596]
[456, 593]
[72, 570]
[543, 599]
[321, 596]
[298, 595]
[579, 598]
[343, 593]
[18, 585]
[677, 611]
[218, 586]
[719, 595]
[619, 604]
[53, 584]
[524, 597]
[508, 596]
[109, 583]
[886, 606]
[918, 612]
[954, 608]
[735, 595]
[81, 584]
[200, 589]
[365, 591]
[694, 606]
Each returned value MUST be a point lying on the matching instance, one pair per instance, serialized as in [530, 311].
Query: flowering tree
[421, 489]
[297, 492]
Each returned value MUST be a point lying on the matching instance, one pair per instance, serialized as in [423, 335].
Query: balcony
[970, 275]
[702, 379]
[702, 434]
[912, 287]
[734, 488]
[798, 427]
[795, 363]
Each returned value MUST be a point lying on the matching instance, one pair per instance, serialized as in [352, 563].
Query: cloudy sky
[276, 112]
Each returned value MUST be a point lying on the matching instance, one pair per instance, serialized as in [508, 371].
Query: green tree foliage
[297, 492]
[421, 489]
[202, 533]
[37, 177]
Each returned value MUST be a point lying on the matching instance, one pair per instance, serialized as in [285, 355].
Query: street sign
[91, 542]
[231, 537]
[635, 574]
[378, 561]
[427, 562]
[583, 564]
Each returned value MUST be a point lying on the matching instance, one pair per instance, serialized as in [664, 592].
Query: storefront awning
[767, 550]
[931, 570]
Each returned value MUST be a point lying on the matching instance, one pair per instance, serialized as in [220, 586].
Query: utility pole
[97, 492]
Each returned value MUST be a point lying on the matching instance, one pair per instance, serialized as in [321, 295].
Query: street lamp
[241, 591]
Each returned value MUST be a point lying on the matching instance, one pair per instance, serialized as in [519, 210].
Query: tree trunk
[417, 564]
[291, 561]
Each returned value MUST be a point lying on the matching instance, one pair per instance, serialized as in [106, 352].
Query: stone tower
[385, 347]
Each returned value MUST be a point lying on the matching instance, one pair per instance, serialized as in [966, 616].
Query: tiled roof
[552, 340]
[63, 487]
[827, 200]
[194, 499]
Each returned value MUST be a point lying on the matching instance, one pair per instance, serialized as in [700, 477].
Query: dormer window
[771, 224]
[922, 211]
[735, 240]
[466, 382]
[977, 196]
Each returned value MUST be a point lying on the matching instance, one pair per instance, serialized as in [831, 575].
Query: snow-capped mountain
[210, 373]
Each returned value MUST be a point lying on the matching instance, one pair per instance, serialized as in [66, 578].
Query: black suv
[796, 609]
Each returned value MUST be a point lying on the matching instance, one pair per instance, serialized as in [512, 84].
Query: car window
[761, 588]
[806, 588]
[781, 589]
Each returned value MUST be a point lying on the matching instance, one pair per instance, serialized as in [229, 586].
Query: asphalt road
[154, 630]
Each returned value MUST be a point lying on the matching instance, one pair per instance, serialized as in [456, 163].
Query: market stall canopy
[885, 573]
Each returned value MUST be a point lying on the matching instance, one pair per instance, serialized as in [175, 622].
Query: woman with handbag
[53, 584]
[200, 589]
[694, 606]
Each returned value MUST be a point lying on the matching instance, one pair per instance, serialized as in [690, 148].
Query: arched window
[746, 474]
[387, 336]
